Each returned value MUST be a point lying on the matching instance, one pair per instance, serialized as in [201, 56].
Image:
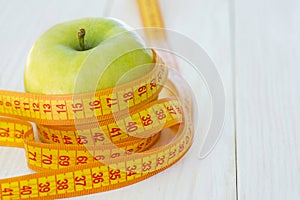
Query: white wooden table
[255, 46]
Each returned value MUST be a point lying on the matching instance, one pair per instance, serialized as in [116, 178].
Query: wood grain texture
[205, 22]
[267, 60]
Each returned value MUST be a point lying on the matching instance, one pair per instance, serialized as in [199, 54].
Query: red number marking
[36, 107]
[160, 161]
[67, 140]
[62, 108]
[97, 178]
[115, 155]
[45, 134]
[82, 139]
[19, 133]
[47, 108]
[114, 174]
[4, 132]
[47, 160]
[17, 104]
[26, 104]
[172, 154]
[111, 101]
[64, 160]
[160, 114]
[128, 96]
[147, 120]
[62, 185]
[131, 170]
[131, 127]
[95, 105]
[152, 84]
[44, 187]
[142, 90]
[80, 181]
[81, 160]
[146, 166]
[171, 110]
[98, 137]
[99, 157]
[77, 107]
[32, 156]
[7, 192]
[26, 190]
[55, 138]
[115, 132]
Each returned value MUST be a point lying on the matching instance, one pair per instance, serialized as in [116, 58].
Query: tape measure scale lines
[94, 157]
[97, 141]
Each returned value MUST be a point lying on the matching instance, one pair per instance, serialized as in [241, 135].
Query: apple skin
[57, 65]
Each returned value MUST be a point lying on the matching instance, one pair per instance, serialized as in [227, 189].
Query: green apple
[85, 55]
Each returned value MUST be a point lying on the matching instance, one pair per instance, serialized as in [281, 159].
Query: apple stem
[81, 34]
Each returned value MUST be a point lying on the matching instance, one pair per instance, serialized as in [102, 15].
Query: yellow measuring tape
[96, 141]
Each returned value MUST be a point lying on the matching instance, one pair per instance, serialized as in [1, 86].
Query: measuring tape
[97, 141]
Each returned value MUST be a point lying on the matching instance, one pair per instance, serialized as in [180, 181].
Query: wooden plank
[267, 61]
[207, 23]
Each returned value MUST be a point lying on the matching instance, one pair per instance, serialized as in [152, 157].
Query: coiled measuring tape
[96, 141]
